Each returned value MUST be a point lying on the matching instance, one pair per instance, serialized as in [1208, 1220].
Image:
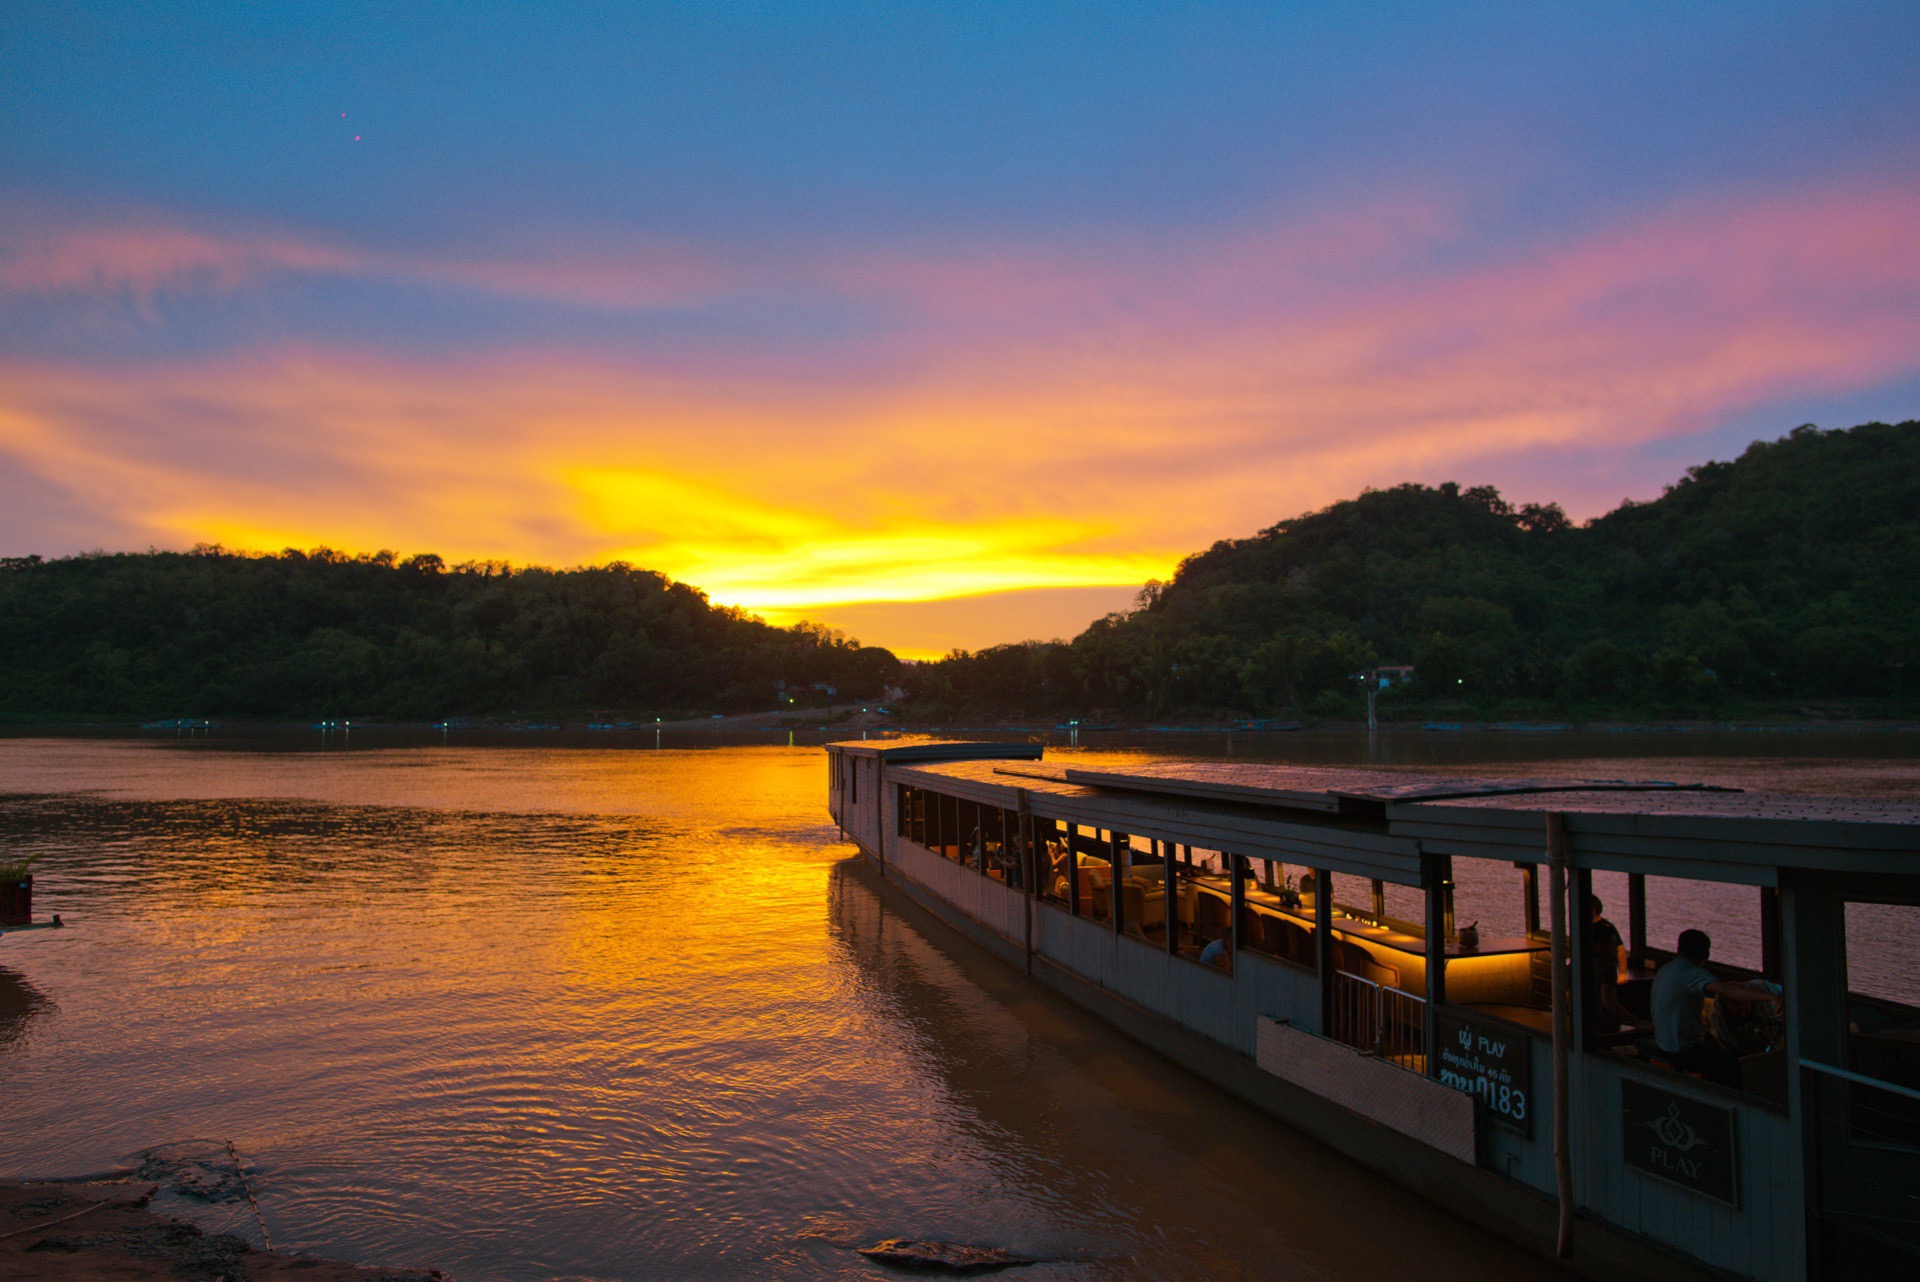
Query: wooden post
[1379, 900]
[1530, 897]
[1115, 880]
[1562, 1030]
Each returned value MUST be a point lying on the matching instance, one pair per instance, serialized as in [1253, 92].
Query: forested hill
[1789, 575]
[317, 634]
[1787, 578]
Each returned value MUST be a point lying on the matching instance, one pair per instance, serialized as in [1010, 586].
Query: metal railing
[1381, 1021]
[1867, 1164]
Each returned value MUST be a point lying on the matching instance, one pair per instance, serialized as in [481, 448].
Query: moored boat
[1295, 935]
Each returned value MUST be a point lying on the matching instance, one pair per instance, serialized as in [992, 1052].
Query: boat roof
[1380, 822]
[925, 748]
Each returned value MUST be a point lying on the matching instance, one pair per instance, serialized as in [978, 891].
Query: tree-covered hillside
[1789, 576]
[1792, 573]
[316, 634]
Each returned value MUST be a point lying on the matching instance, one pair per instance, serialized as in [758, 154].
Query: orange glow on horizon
[1034, 420]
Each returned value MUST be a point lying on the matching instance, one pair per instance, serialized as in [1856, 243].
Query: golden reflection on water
[526, 1013]
[536, 1013]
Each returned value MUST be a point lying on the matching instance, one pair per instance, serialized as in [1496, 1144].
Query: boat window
[1143, 889]
[1004, 848]
[971, 834]
[909, 820]
[1092, 855]
[1279, 922]
[941, 822]
[1050, 846]
[1204, 904]
[1629, 929]
[1883, 995]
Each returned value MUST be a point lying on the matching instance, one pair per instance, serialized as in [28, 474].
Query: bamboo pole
[1562, 1030]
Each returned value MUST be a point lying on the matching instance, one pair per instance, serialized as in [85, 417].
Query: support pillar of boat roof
[1636, 919]
[1813, 933]
[1813, 940]
[880, 825]
[1073, 869]
[1579, 947]
[1323, 941]
[1029, 867]
[1436, 874]
[1557, 855]
[1172, 913]
[1237, 900]
[1770, 932]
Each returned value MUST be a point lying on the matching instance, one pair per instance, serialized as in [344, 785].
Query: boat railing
[1378, 1020]
[1867, 1153]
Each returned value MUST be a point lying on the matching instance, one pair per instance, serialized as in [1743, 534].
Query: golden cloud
[1033, 419]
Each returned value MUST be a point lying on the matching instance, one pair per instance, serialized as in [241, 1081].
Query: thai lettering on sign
[1492, 1063]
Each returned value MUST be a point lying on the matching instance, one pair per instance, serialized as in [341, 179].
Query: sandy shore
[106, 1233]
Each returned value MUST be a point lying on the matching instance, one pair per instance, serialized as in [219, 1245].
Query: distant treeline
[212, 633]
[1791, 575]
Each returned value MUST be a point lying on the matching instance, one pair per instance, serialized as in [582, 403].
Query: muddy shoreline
[96, 1232]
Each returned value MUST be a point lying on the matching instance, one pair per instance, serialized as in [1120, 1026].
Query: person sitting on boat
[1748, 1027]
[1219, 953]
[1680, 990]
[1606, 959]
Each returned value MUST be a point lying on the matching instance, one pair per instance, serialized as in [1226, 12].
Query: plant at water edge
[15, 868]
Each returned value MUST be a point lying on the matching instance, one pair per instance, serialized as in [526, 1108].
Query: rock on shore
[106, 1233]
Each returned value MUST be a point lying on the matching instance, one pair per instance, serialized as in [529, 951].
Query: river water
[627, 1013]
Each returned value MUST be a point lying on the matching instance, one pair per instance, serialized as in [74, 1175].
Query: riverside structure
[1291, 935]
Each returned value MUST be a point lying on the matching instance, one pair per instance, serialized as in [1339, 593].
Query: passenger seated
[1219, 953]
[1607, 959]
[1680, 990]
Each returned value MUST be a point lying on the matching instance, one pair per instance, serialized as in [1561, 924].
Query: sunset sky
[947, 324]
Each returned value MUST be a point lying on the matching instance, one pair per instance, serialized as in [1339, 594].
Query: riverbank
[108, 1232]
[843, 719]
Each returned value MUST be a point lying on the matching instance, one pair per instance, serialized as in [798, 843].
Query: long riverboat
[1294, 936]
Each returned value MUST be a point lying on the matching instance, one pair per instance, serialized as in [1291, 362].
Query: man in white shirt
[1680, 990]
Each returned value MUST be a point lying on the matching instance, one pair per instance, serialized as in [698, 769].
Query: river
[532, 1010]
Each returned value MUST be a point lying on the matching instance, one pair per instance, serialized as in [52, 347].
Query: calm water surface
[531, 1012]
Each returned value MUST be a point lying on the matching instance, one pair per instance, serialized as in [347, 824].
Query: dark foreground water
[563, 1012]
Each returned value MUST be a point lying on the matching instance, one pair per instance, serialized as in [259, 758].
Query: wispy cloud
[1031, 415]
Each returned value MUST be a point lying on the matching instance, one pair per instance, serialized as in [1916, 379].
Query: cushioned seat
[1145, 908]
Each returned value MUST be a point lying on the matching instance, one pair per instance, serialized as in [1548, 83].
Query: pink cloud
[1113, 404]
